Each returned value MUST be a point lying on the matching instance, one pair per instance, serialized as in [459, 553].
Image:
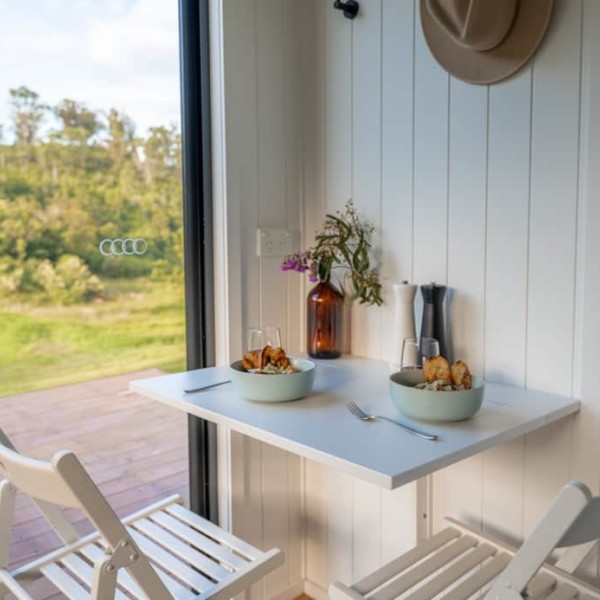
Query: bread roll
[461, 376]
[437, 368]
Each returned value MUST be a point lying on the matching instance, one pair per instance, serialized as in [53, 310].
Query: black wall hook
[350, 7]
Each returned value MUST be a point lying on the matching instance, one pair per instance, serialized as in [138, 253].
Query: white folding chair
[163, 551]
[459, 563]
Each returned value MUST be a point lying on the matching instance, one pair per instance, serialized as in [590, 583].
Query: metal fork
[363, 416]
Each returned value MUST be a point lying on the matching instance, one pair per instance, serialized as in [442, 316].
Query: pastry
[268, 360]
[437, 368]
[461, 376]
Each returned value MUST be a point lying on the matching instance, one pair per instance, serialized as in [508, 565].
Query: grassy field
[140, 325]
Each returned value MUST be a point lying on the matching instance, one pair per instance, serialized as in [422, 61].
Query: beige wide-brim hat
[484, 41]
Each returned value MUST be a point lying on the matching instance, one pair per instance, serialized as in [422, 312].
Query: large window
[91, 227]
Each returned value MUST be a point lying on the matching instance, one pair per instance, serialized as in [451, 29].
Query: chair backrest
[572, 519]
[459, 562]
[63, 482]
[37, 478]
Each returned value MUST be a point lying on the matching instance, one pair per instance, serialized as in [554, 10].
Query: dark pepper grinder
[432, 325]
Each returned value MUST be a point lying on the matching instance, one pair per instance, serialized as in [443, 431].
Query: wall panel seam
[528, 257]
[448, 138]
[412, 216]
[258, 216]
[485, 237]
[578, 233]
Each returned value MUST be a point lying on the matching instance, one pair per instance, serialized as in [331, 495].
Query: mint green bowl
[273, 388]
[428, 405]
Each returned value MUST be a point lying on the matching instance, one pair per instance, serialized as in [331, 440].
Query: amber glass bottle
[325, 305]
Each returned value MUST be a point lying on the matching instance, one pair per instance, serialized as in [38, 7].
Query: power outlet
[276, 242]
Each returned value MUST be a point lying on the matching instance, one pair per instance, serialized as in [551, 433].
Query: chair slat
[540, 585]
[181, 549]
[65, 583]
[85, 572]
[574, 556]
[478, 579]
[9, 581]
[126, 581]
[454, 572]
[386, 572]
[214, 532]
[171, 563]
[200, 541]
[425, 569]
[563, 591]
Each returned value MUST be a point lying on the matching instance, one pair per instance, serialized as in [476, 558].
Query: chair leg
[147, 578]
[7, 512]
[105, 580]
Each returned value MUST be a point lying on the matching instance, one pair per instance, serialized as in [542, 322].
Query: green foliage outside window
[70, 177]
[86, 178]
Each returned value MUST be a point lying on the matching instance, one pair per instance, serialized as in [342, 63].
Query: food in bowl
[268, 361]
[264, 387]
[439, 376]
[418, 402]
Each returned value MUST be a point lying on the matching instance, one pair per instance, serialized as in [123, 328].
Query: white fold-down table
[321, 429]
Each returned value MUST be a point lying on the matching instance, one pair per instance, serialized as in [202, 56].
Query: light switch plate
[276, 242]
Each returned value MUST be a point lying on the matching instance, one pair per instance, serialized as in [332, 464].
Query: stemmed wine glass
[259, 337]
[416, 350]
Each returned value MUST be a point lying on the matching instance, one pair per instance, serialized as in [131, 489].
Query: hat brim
[530, 25]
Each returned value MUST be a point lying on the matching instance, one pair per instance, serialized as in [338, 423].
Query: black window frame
[198, 239]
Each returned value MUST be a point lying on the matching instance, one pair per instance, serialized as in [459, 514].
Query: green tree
[79, 124]
[28, 113]
[121, 140]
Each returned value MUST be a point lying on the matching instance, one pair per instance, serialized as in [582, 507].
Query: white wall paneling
[293, 144]
[460, 485]
[261, 186]
[491, 191]
[365, 167]
[397, 83]
[316, 528]
[507, 229]
[555, 112]
[271, 151]
[338, 139]
[339, 526]
[263, 121]
[431, 124]
[586, 442]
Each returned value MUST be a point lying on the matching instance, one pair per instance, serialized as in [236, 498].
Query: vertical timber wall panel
[555, 107]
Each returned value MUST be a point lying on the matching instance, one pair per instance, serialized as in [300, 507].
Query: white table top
[320, 427]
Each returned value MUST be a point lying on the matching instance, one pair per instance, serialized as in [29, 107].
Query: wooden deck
[135, 449]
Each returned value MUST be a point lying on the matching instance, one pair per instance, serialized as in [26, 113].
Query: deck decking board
[135, 450]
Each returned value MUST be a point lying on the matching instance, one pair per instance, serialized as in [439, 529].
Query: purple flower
[301, 262]
[289, 264]
[296, 262]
